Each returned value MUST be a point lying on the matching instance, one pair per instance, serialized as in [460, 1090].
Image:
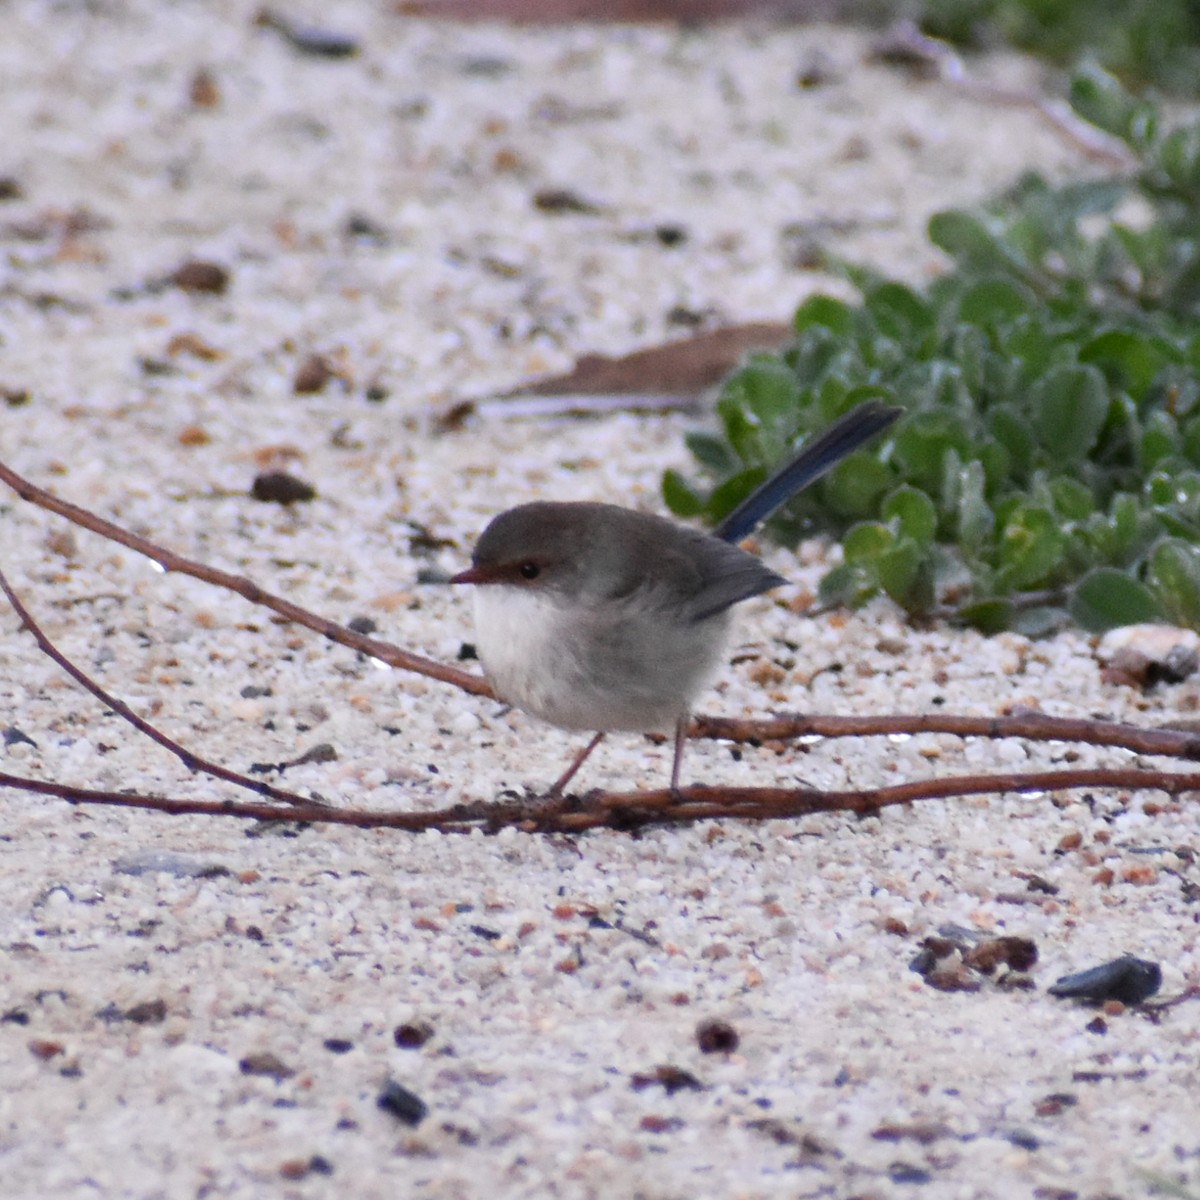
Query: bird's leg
[576, 763]
[680, 742]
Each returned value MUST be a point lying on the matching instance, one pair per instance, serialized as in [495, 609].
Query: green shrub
[1048, 463]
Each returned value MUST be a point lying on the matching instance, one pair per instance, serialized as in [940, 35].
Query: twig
[628, 810]
[1027, 724]
[193, 762]
[170, 561]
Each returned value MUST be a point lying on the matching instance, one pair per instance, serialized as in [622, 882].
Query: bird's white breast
[603, 666]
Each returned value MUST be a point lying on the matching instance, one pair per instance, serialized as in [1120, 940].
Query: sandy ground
[194, 1008]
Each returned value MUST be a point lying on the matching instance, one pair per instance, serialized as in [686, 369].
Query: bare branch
[170, 561]
[1027, 724]
[193, 762]
[628, 810]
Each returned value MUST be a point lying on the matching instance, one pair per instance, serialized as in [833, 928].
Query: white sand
[441, 135]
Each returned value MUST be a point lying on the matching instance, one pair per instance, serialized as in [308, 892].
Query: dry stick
[1027, 724]
[625, 810]
[247, 588]
[193, 762]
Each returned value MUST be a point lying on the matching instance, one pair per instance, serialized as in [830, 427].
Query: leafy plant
[1048, 464]
[1141, 41]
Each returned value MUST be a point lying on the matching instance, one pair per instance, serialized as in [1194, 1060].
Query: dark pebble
[308, 39]
[717, 1037]
[338, 1045]
[412, 1035]
[557, 201]
[670, 1079]
[197, 275]
[312, 375]
[266, 1064]
[278, 487]
[150, 1012]
[1127, 979]
[404, 1105]
[902, 1172]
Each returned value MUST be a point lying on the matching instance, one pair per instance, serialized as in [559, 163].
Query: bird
[599, 618]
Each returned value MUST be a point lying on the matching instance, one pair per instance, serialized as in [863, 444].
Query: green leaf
[850, 584]
[1039, 620]
[711, 452]
[1174, 574]
[1129, 360]
[852, 489]
[1160, 440]
[899, 312]
[1105, 598]
[992, 302]
[1069, 408]
[679, 495]
[988, 616]
[972, 244]
[921, 443]
[1030, 547]
[866, 541]
[914, 512]
[903, 575]
[826, 312]
[1013, 433]
[770, 390]
[976, 521]
[1098, 97]
[1072, 499]
[732, 491]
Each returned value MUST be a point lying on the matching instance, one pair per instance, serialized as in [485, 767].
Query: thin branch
[1027, 724]
[627, 810]
[193, 762]
[170, 561]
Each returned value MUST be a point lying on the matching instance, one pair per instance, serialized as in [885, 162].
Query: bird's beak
[471, 575]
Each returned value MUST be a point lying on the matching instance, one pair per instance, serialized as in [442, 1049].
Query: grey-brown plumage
[597, 617]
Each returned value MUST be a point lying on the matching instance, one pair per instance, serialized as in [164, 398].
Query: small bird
[596, 617]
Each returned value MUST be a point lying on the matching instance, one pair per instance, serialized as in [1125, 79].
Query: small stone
[1143, 655]
[150, 1012]
[1127, 979]
[557, 201]
[308, 39]
[202, 90]
[266, 1063]
[197, 275]
[717, 1037]
[1017, 953]
[195, 346]
[670, 1079]
[278, 487]
[312, 375]
[412, 1035]
[404, 1105]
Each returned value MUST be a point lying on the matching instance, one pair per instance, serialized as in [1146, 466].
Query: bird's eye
[529, 570]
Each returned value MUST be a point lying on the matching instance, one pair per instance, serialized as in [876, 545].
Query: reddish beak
[473, 575]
